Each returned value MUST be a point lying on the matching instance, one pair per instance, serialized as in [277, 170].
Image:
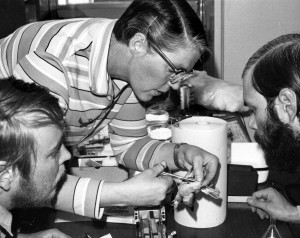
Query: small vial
[159, 132]
[157, 119]
[187, 97]
[157, 114]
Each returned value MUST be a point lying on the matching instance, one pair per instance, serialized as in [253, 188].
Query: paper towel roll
[209, 134]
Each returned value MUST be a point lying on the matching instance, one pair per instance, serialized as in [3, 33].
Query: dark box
[241, 180]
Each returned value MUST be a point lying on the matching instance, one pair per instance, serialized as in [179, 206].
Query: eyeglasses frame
[168, 61]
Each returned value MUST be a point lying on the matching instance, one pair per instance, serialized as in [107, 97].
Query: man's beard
[29, 195]
[280, 144]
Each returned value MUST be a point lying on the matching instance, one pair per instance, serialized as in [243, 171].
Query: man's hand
[144, 189]
[269, 202]
[216, 94]
[51, 233]
[202, 164]
[191, 157]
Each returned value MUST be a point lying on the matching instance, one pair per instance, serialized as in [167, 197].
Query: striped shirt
[70, 58]
[80, 196]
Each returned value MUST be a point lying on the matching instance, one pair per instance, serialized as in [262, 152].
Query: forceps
[208, 190]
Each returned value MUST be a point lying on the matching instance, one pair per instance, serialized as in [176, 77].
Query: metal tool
[150, 222]
[87, 235]
[213, 192]
[185, 179]
[208, 190]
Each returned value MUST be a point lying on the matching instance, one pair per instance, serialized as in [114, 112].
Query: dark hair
[275, 66]
[24, 107]
[169, 24]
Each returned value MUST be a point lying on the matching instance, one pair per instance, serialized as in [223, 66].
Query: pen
[178, 177]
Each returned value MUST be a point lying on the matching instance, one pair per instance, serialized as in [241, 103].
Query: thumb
[178, 198]
[244, 109]
[256, 203]
[158, 168]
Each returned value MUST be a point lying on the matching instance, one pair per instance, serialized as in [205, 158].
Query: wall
[12, 15]
[248, 24]
[242, 26]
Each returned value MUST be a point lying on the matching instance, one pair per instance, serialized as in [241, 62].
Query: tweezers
[208, 190]
[185, 179]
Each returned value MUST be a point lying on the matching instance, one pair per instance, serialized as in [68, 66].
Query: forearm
[80, 196]
[144, 189]
[166, 153]
[115, 194]
[289, 214]
[145, 153]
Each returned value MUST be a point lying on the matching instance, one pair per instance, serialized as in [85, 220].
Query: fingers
[198, 170]
[255, 203]
[211, 168]
[156, 169]
[203, 163]
[262, 214]
[177, 199]
[258, 207]
[189, 200]
[244, 109]
[263, 194]
[196, 77]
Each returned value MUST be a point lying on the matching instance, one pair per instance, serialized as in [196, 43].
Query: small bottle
[157, 119]
[157, 114]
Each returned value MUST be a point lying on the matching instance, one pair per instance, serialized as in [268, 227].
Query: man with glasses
[209, 92]
[103, 71]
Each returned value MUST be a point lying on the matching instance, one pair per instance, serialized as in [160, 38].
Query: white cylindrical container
[209, 134]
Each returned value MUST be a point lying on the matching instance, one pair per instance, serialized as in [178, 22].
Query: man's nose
[65, 155]
[252, 122]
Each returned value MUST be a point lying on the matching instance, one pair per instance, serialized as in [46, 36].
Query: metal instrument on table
[150, 222]
[208, 190]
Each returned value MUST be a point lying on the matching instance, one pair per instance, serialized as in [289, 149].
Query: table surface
[240, 223]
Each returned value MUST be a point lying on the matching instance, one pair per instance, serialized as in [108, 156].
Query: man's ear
[288, 101]
[6, 178]
[138, 44]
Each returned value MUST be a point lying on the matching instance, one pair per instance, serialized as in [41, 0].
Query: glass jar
[159, 132]
[157, 120]
[157, 114]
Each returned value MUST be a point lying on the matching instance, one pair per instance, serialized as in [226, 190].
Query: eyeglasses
[177, 71]
[2, 168]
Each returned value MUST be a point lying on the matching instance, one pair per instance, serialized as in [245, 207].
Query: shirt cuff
[99, 210]
[87, 198]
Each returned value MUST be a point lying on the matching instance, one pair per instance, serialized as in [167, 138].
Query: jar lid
[201, 123]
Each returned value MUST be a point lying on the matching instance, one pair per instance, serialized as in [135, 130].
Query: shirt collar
[5, 220]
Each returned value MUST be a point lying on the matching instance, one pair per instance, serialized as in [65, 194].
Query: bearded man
[271, 85]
